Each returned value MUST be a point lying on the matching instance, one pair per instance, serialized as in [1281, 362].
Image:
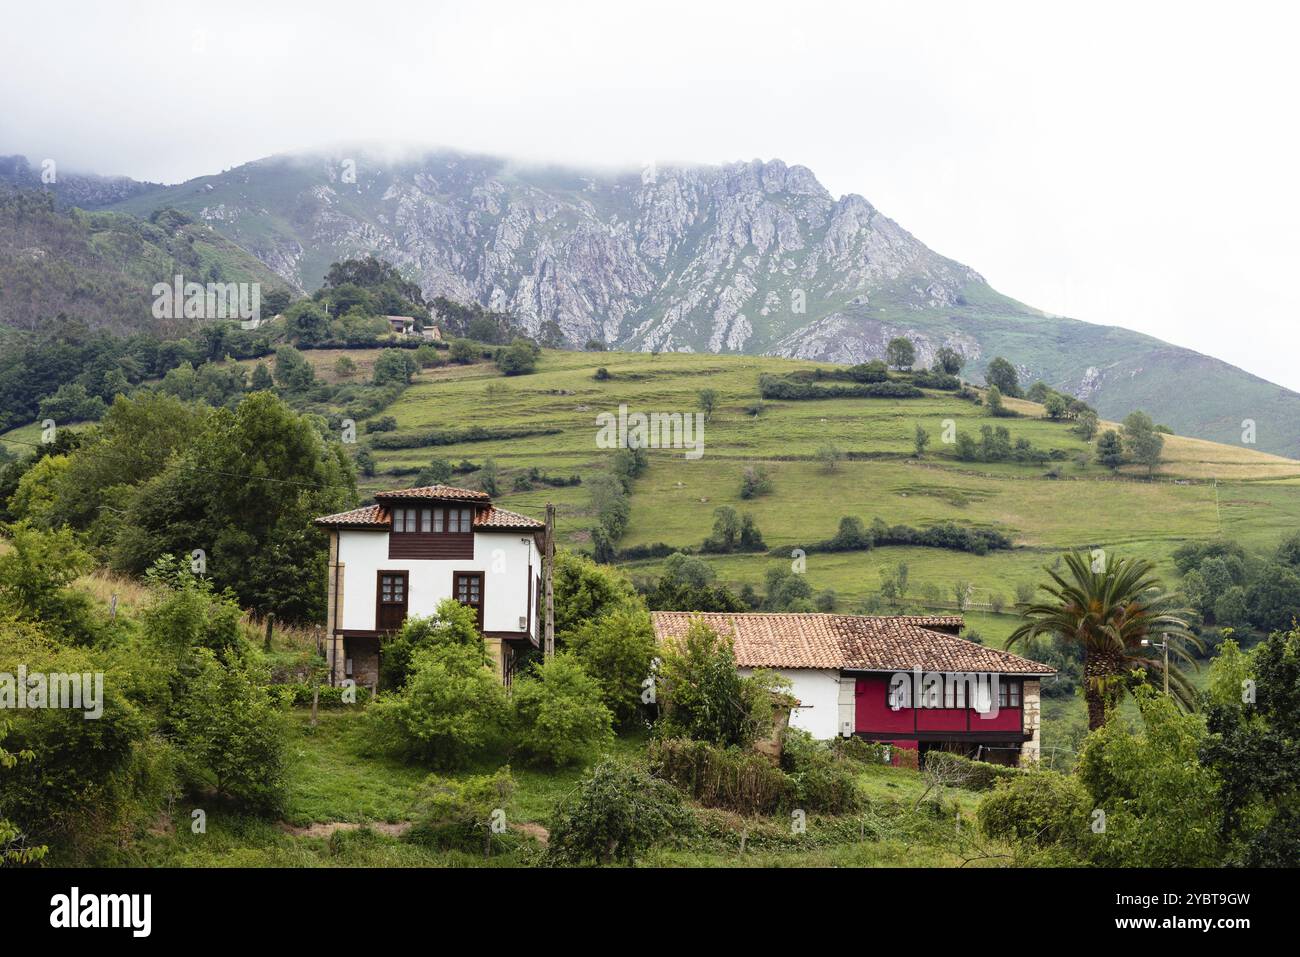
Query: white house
[413, 548]
[856, 675]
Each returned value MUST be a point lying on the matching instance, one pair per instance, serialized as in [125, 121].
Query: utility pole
[548, 568]
[1166, 643]
[1148, 643]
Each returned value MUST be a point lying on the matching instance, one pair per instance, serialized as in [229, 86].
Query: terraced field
[1201, 491]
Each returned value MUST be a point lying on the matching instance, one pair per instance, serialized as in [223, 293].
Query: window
[469, 592]
[392, 589]
[954, 692]
[1009, 694]
[435, 521]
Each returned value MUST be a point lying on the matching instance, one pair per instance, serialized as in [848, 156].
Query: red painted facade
[876, 719]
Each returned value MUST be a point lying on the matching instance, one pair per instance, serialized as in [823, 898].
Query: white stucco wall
[503, 557]
[818, 692]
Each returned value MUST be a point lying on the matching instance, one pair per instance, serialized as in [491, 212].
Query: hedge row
[434, 437]
[852, 536]
[774, 387]
[975, 775]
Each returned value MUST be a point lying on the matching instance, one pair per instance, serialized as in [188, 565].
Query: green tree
[949, 360]
[707, 400]
[487, 477]
[14, 849]
[1161, 803]
[829, 456]
[519, 358]
[1002, 374]
[616, 813]
[920, 440]
[1110, 449]
[228, 725]
[585, 591]
[1107, 606]
[1142, 442]
[1273, 598]
[244, 495]
[754, 481]
[617, 649]
[726, 529]
[261, 380]
[1055, 406]
[1254, 749]
[700, 692]
[394, 366]
[344, 367]
[37, 570]
[462, 352]
[900, 353]
[293, 372]
[450, 624]
[451, 710]
[561, 716]
[1086, 425]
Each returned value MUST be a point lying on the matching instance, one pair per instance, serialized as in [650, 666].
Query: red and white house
[910, 682]
[415, 547]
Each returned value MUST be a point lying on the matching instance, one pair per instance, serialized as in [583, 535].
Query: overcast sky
[1129, 164]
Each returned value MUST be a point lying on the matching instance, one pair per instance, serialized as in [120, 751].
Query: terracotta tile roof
[377, 516]
[441, 492]
[368, 516]
[847, 641]
[933, 621]
[493, 517]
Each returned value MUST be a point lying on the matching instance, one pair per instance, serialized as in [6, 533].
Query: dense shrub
[36, 569]
[464, 815]
[617, 650]
[732, 778]
[1039, 808]
[82, 781]
[519, 358]
[700, 693]
[932, 379]
[451, 623]
[229, 729]
[973, 775]
[821, 775]
[1161, 802]
[616, 813]
[451, 710]
[560, 716]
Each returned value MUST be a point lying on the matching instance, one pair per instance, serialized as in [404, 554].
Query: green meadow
[1202, 491]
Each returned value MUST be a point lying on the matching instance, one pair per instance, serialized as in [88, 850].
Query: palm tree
[1108, 613]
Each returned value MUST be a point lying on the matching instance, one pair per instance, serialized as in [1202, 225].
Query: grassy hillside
[1203, 490]
[101, 267]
